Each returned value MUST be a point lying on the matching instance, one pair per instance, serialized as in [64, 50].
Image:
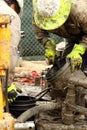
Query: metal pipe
[25, 126]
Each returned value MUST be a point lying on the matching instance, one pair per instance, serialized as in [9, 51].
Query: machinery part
[40, 106]
[29, 125]
[5, 35]
[5, 19]
[4, 83]
[64, 88]
[42, 93]
[67, 111]
[58, 76]
[6, 120]
[6, 95]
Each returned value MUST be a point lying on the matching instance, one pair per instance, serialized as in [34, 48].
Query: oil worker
[67, 19]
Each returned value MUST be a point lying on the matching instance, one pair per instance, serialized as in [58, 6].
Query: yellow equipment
[6, 120]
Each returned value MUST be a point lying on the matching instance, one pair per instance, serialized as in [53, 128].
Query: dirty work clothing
[74, 29]
[15, 27]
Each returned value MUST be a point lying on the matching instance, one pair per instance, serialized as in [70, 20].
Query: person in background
[14, 8]
[67, 19]
[16, 5]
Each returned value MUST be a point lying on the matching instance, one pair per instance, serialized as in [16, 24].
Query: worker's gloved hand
[50, 51]
[76, 57]
[12, 93]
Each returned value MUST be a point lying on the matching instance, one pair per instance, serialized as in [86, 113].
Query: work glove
[12, 93]
[76, 57]
[50, 51]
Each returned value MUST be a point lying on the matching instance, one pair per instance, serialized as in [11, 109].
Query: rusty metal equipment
[70, 89]
[6, 120]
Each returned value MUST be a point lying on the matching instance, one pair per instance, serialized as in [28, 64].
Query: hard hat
[51, 14]
[21, 3]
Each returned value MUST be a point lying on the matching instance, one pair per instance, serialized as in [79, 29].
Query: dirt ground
[24, 72]
[29, 66]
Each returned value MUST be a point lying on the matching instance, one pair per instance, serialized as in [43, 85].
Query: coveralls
[74, 30]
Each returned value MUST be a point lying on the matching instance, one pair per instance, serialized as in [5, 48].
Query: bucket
[21, 104]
